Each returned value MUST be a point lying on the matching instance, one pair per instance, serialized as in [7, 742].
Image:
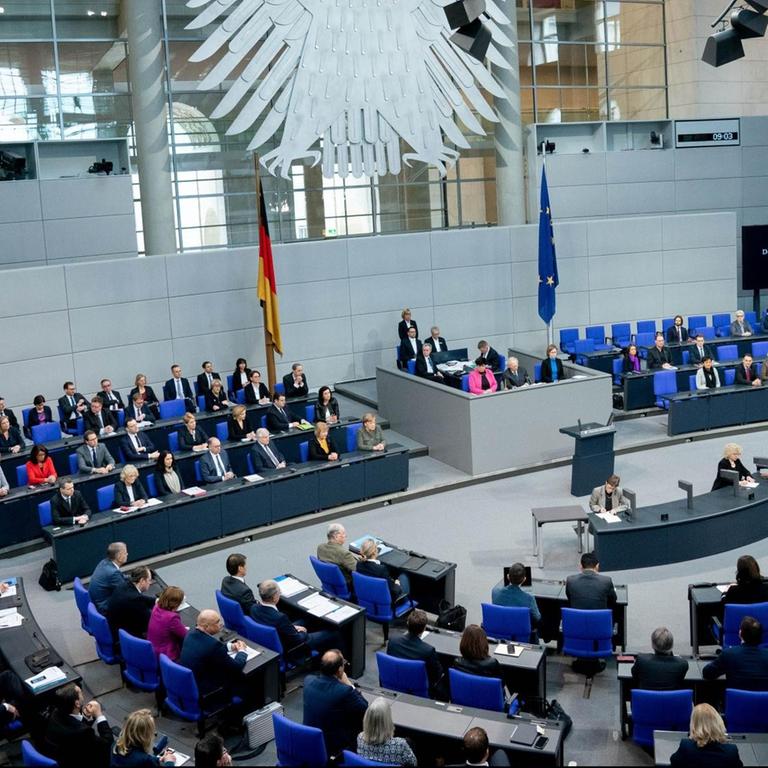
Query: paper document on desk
[723, 587]
[153, 502]
[503, 649]
[182, 607]
[290, 586]
[10, 592]
[322, 607]
[10, 618]
[46, 678]
[311, 600]
[252, 478]
[749, 484]
[340, 614]
[181, 758]
[194, 491]
[251, 653]
[609, 517]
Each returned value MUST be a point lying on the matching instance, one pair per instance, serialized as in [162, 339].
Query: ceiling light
[103, 13]
[90, 13]
[2, 10]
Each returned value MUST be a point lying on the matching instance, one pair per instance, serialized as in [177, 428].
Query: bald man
[214, 465]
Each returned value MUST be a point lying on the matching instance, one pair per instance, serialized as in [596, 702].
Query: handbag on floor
[451, 616]
[49, 578]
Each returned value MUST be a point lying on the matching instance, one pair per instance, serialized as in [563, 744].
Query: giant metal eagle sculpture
[358, 74]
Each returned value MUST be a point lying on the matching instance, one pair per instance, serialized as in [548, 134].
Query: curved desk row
[718, 522]
[712, 408]
[229, 507]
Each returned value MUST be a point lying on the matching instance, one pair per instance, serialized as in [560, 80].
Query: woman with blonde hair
[731, 460]
[133, 748]
[707, 746]
[378, 741]
[239, 426]
[129, 490]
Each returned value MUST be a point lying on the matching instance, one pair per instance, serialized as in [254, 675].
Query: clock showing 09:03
[707, 133]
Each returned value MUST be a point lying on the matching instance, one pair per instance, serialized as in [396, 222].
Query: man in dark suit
[93, 458]
[136, 446]
[139, 411]
[265, 454]
[410, 646]
[745, 666]
[101, 421]
[70, 738]
[410, 348]
[111, 398]
[107, 576]
[425, 367]
[660, 670]
[214, 465]
[658, 355]
[72, 405]
[677, 333]
[205, 379]
[129, 608]
[295, 638]
[489, 354]
[515, 375]
[8, 413]
[590, 590]
[747, 374]
[178, 388]
[255, 390]
[699, 351]
[295, 382]
[278, 419]
[333, 704]
[68, 507]
[233, 585]
[436, 341]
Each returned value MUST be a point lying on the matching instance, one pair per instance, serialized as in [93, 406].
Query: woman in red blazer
[40, 469]
[480, 373]
[166, 631]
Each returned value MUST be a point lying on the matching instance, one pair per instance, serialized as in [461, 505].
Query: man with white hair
[661, 670]
[336, 551]
[265, 454]
[514, 375]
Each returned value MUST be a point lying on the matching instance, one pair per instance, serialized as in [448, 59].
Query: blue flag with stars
[548, 279]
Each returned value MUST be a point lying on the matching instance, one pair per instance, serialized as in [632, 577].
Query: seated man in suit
[295, 382]
[295, 638]
[512, 595]
[129, 608]
[410, 348]
[101, 421]
[136, 446]
[265, 454]
[436, 341]
[410, 646]
[335, 550]
[658, 355]
[70, 738]
[72, 405]
[139, 411]
[677, 333]
[740, 326]
[111, 398]
[209, 658]
[107, 576]
[699, 351]
[745, 666]
[333, 704]
[489, 354]
[477, 749]
[747, 374]
[93, 458]
[178, 388]
[214, 465]
[590, 590]
[255, 390]
[278, 419]
[514, 375]
[233, 584]
[660, 670]
[8, 413]
[425, 367]
[68, 507]
[205, 379]
[608, 497]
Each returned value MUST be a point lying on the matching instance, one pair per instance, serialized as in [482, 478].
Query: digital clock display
[723, 132]
[686, 138]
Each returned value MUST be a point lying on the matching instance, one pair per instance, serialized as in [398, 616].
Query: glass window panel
[636, 66]
[523, 22]
[526, 71]
[96, 117]
[93, 67]
[637, 104]
[473, 203]
[632, 22]
[29, 119]
[575, 23]
[177, 18]
[577, 64]
[25, 20]
[95, 19]
[24, 67]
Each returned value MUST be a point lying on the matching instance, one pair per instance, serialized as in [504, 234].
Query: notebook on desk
[524, 734]
[394, 559]
[414, 563]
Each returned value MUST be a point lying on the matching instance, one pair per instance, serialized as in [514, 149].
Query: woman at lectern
[731, 460]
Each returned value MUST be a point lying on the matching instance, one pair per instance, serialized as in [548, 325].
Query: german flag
[267, 286]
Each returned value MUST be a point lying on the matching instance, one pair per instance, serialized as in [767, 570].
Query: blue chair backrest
[102, 634]
[263, 421]
[82, 601]
[105, 497]
[249, 462]
[621, 333]
[73, 465]
[304, 451]
[331, 578]
[695, 322]
[686, 357]
[182, 695]
[751, 318]
[352, 758]
[261, 634]
[502, 362]
[465, 382]
[596, 332]
[309, 413]
[746, 711]
[692, 382]
[617, 365]
[476, 691]
[173, 409]
[373, 594]
[730, 376]
[198, 472]
[298, 744]
[201, 402]
[280, 388]
[733, 615]
[240, 396]
[120, 417]
[140, 662]
[173, 441]
[151, 485]
[646, 326]
[587, 634]
[46, 433]
[759, 349]
[644, 340]
[232, 613]
[411, 365]
[666, 323]
[44, 513]
[659, 711]
[352, 430]
[21, 475]
[664, 383]
[707, 331]
[584, 346]
[34, 759]
[230, 382]
[720, 320]
[222, 431]
[507, 623]
[727, 352]
[404, 675]
[537, 371]
[567, 337]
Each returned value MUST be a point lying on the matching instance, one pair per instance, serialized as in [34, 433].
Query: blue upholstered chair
[331, 578]
[507, 623]
[746, 711]
[105, 644]
[373, 594]
[298, 744]
[404, 675]
[231, 612]
[659, 711]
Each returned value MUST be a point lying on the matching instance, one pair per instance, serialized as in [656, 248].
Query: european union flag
[548, 279]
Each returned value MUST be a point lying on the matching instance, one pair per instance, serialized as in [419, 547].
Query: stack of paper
[251, 653]
[609, 517]
[46, 678]
[504, 650]
[317, 604]
[251, 479]
[340, 614]
[194, 491]
[290, 586]
[10, 592]
[153, 502]
[10, 617]
[181, 758]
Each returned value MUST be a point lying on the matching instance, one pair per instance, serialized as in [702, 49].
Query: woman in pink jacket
[166, 631]
[482, 380]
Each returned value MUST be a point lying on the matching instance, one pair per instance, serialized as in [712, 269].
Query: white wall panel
[19, 201]
[214, 312]
[32, 336]
[388, 254]
[467, 247]
[464, 284]
[194, 272]
[25, 291]
[390, 292]
[314, 301]
[77, 238]
[122, 281]
[23, 243]
[308, 262]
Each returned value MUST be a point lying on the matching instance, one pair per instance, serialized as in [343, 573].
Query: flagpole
[269, 345]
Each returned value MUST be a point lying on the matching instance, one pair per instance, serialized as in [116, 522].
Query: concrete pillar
[150, 116]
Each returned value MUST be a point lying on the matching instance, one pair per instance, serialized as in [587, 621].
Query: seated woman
[750, 587]
[707, 744]
[481, 379]
[166, 631]
[731, 460]
[475, 659]
[133, 747]
[192, 437]
[630, 360]
[216, 397]
[11, 440]
[240, 427]
[40, 469]
[370, 565]
[167, 478]
[327, 406]
[707, 376]
[370, 437]
[241, 375]
[378, 742]
[321, 446]
[552, 366]
[147, 394]
[129, 491]
[40, 414]
[256, 391]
